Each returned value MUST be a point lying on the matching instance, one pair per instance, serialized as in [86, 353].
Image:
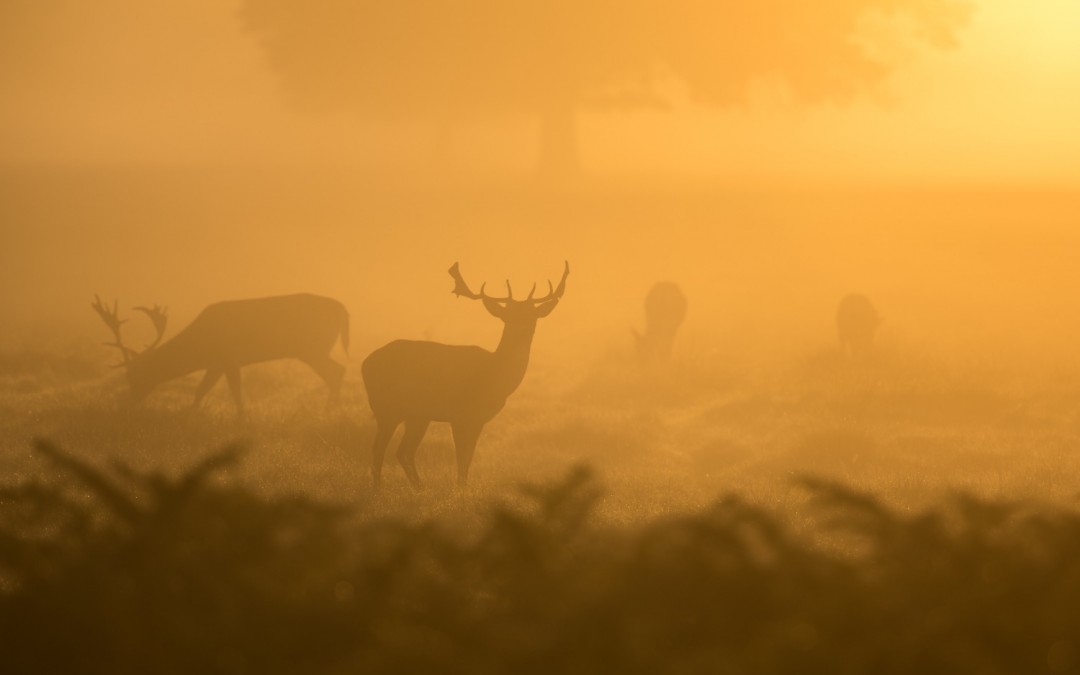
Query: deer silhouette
[856, 323]
[228, 335]
[417, 382]
[665, 310]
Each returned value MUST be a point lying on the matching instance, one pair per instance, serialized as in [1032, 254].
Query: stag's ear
[494, 308]
[544, 309]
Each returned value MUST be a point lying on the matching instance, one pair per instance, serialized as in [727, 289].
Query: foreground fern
[120, 572]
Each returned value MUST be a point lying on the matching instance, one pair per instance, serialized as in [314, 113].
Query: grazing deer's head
[133, 360]
[665, 310]
[518, 315]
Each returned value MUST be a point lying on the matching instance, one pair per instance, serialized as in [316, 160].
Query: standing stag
[228, 335]
[856, 323]
[665, 310]
[417, 383]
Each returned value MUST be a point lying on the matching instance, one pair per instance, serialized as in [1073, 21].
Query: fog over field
[807, 399]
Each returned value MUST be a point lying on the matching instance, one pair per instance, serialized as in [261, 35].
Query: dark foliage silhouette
[445, 61]
[136, 573]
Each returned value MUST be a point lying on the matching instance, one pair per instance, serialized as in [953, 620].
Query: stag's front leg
[232, 376]
[466, 434]
[332, 372]
[209, 380]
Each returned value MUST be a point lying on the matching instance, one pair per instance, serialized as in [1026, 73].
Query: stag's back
[236, 332]
[410, 379]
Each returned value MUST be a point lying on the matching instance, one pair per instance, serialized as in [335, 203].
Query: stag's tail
[344, 330]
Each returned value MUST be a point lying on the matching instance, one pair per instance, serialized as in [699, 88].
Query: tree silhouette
[437, 59]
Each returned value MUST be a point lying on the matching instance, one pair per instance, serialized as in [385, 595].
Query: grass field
[890, 515]
[908, 428]
[764, 504]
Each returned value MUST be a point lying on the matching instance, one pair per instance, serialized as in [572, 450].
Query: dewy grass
[811, 518]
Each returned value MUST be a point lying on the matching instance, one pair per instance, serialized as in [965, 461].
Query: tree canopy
[424, 58]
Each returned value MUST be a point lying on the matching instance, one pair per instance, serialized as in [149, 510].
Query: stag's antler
[159, 317]
[114, 322]
[553, 294]
[462, 289]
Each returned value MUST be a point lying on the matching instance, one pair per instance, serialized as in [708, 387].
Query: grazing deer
[228, 335]
[416, 383]
[856, 323]
[665, 309]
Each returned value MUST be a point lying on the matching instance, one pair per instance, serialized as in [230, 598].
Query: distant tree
[438, 58]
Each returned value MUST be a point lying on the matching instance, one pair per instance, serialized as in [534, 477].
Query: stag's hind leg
[209, 380]
[406, 453]
[384, 431]
[332, 372]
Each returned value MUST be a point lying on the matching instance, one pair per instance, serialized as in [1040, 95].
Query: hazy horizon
[186, 83]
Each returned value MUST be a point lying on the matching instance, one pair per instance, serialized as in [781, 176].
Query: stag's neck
[169, 361]
[512, 357]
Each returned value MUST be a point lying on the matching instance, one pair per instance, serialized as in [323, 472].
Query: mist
[801, 394]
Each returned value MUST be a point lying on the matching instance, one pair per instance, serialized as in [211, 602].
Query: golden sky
[120, 81]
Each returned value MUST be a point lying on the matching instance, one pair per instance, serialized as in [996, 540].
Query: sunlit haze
[513, 336]
[121, 81]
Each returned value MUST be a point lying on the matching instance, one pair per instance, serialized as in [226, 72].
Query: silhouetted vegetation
[118, 571]
[448, 64]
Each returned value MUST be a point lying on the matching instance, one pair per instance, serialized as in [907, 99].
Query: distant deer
[417, 383]
[228, 335]
[665, 310]
[856, 323]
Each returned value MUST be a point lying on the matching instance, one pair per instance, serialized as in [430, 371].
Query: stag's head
[133, 362]
[520, 314]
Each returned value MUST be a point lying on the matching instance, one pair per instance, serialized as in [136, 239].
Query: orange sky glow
[182, 82]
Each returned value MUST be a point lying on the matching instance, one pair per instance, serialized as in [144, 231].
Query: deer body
[665, 310]
[856, 323]
[442, 383]
[229, 335]
[415, 383]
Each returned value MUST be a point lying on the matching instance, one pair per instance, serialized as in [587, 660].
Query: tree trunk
[558, 160]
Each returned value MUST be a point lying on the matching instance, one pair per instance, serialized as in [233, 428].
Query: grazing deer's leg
[232, 376]
[383, 433]
[406, 453]
[331, 372]
[465, 436]
[208, 382]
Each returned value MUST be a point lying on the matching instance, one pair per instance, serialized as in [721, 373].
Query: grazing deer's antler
[159, 317]
[114, 322]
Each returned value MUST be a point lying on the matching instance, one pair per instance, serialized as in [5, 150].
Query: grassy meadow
[761, 504]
